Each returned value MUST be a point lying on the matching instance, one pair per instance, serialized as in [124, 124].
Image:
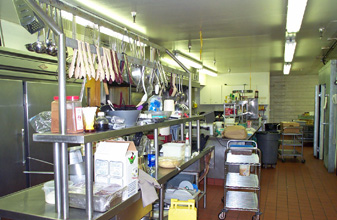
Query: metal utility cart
[292, 137]
[242, 191]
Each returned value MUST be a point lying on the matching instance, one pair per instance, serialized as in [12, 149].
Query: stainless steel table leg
[205, 187]
[161, 202]
[89, 170]
[57, 179]
[198, 135]
[64, 178]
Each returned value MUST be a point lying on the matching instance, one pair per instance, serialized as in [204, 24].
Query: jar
[74, 115]
[101, 123]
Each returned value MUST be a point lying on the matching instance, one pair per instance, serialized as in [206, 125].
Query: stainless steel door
[39, 96]
[323, 123]
[12, 156]
[316, 122]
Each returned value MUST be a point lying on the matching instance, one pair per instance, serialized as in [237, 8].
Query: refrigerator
[325, 116]
[24, 94]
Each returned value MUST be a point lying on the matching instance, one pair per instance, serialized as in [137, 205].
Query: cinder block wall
[291, 96]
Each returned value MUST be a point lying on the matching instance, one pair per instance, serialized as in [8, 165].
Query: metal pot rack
[60, 141]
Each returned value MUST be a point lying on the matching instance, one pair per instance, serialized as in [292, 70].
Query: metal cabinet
[23, 100]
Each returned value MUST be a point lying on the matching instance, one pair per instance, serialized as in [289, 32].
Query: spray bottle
[187, 147]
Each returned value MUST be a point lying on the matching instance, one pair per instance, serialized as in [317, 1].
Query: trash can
[267, 142]
[271, 126]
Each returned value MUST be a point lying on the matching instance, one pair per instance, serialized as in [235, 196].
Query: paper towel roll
[169, 105]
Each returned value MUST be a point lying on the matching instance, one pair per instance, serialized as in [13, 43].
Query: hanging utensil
[72, 64]
[85, 60]
[112, 55]
[174, 90]
[91, 64]
[144, 98]
[99, 70]
[179, 90]
[28, 19]
[149, 89]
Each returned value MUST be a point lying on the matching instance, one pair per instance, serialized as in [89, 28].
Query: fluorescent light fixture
[169, 61]
[286, 68]
[114, 14]
[186, 60]
[104, 30]
[208, 71]
[295, 14]
[289, 51]
[79, 20]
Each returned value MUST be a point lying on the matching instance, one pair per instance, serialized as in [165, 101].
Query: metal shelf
[289, 152]
[292, 143]
[98, 136]
[233, 159]
[242, 201]
[29, 204]
[236, 181]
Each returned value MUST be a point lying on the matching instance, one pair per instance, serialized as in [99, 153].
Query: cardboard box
[117, 162]
[290, 127]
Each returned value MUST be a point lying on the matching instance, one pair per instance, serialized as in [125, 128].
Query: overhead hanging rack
[73, 44]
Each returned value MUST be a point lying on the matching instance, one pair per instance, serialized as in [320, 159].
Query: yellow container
[182, 210]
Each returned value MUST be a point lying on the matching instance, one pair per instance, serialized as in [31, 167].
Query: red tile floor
[291, 191]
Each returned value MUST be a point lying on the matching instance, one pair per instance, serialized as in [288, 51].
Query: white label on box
[102, 167]
[79, 119]
[116, 169]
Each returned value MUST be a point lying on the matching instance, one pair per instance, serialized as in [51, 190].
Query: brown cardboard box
[290, 127]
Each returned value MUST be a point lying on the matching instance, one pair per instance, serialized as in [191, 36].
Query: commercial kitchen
[184, 109]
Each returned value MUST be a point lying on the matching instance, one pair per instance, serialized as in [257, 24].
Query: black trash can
[271, 126]
[267, 142]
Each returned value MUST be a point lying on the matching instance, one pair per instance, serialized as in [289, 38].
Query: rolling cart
[242, 187]
[292, 137]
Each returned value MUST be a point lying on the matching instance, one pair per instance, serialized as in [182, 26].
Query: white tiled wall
[291, 96]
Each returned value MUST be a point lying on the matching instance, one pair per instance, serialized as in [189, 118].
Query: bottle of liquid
[187, 147]
[101, 123]
[151, 158]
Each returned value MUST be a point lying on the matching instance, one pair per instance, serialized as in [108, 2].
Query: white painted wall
[255, 81]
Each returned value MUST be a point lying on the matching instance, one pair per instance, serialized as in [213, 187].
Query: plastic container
[182, 210]
[74, 115]
[101, 123]
[267, 142]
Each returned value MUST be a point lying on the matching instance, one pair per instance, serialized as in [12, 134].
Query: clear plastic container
[101, 123]
[74, 115]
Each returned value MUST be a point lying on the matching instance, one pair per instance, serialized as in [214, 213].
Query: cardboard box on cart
[290, 127]
[116, 162]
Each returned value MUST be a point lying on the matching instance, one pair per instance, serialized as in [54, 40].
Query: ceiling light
[289, 49]
[295, 14]
[286, 68]
[186, 60]
[79, 20]
[208, 71]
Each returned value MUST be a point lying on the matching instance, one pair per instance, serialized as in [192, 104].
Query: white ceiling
[241, 35]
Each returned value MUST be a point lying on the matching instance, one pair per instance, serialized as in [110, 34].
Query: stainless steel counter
[29, 204]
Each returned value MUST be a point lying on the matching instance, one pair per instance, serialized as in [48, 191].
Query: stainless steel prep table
[30, 203]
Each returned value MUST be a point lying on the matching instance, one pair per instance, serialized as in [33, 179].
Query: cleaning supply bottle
[151, 158]
[187, 147]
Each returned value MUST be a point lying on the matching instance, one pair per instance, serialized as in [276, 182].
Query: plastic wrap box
[290, 127]
[116, 162]
[105, 196]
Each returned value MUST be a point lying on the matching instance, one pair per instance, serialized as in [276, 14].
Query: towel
[147, 186]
